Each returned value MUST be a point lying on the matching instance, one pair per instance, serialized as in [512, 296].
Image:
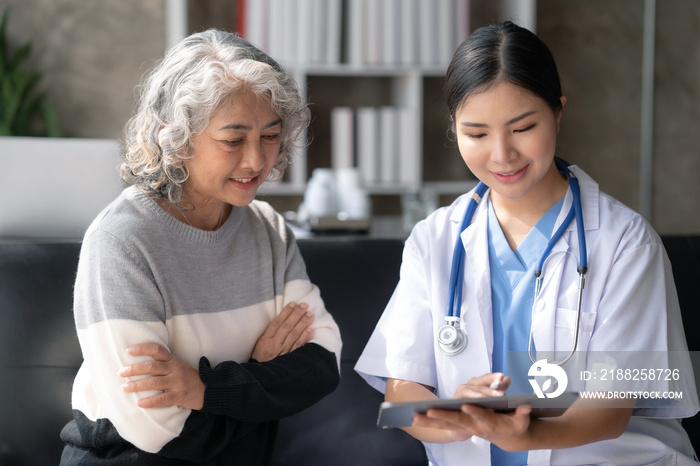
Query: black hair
[502, 53]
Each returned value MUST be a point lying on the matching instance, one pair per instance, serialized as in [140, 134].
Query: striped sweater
[144, 277]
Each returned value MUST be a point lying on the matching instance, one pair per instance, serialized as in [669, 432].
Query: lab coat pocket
[565, 329]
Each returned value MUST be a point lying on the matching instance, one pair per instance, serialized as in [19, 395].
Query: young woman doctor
[505, 103]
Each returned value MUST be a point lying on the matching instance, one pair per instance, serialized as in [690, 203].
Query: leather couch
[39, 353]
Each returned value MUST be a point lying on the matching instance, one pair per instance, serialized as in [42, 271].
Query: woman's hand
[179, 383]
[287, 332]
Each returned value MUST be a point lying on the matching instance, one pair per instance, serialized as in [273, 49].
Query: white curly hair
[179, 96]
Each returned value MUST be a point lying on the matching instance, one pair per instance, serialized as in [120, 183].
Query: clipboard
[400, 414]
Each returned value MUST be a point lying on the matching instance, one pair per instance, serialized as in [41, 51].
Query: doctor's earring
[451, 338]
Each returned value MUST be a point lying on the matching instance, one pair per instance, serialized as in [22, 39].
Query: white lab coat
[629, 304]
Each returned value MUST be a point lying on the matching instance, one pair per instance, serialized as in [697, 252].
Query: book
[290, 49]
[463, 23]
[409, 32]
[255, 23]
[304, 17]
[391, 32]
[342, 138]
[367, 144]
[275, 28]
[388, 145]
[445, 30]
[407, 152]
[354, 32]
[372, 13]
[334, 32]
[318, 25]
[427, 30]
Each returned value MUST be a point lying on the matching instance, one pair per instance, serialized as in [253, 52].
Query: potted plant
[23, 108]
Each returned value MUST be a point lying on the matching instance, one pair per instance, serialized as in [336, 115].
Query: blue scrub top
[512, 296]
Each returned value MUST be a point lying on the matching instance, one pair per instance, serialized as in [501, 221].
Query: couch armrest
[39, 351]
[684, 253]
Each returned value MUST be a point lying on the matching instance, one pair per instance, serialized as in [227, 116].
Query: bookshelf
[379, 60]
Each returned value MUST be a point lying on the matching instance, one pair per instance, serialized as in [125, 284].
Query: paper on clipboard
[400, 414]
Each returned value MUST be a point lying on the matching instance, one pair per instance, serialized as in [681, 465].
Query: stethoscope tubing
[454, 299]
[576, 212]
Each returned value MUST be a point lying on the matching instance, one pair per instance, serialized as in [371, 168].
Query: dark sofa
[39, 353]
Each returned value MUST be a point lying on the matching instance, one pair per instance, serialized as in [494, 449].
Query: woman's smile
[511, 176]
[245, 183]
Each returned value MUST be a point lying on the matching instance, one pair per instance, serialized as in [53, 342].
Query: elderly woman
[198, 324]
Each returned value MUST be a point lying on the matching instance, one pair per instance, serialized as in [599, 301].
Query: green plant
[23, 109]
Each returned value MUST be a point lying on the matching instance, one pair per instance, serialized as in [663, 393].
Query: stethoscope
[450, 337]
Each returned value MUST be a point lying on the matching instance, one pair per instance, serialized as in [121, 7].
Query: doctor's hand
[178, 382]
[505, 430]
[458, 424]
[290, 330]
[494, 384]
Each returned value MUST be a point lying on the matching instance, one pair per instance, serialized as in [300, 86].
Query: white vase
[354, 201]
[321, 195]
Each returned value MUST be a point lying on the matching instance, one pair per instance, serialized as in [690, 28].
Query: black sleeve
[241, 399]
[205, 437]
[266, 391]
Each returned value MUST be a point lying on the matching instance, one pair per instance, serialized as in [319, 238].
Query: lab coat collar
[590, 202]
[460, 206]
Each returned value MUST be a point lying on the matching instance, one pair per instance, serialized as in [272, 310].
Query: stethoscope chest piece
[451, 338]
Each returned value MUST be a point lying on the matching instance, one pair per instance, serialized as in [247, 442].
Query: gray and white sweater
[145, 277]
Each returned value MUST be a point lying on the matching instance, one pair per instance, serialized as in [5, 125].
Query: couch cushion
[356, 278]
